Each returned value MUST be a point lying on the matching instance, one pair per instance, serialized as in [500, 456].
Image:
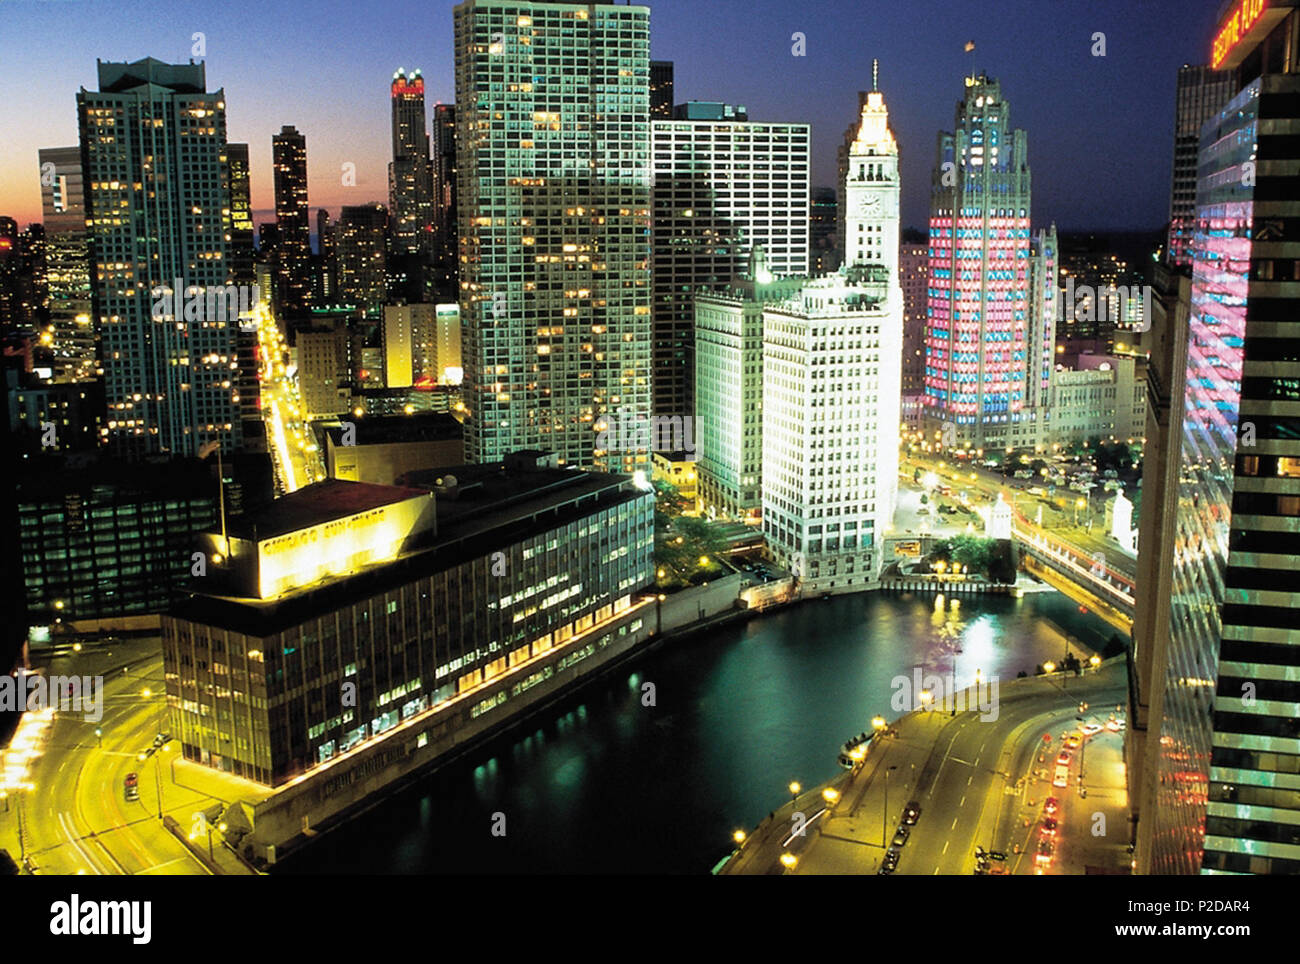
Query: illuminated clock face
[869, 205]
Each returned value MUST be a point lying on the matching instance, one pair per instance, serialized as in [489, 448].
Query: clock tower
[869, 193]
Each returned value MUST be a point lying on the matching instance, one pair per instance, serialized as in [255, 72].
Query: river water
[603, 783]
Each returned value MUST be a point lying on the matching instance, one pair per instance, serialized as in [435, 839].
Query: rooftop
[317, 504]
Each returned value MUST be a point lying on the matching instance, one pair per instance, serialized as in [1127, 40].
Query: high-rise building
[241, 217]
[832, 359]
[554, 177]
[1040, 343]
[325, 282]
[721, 189]
[446, 265]
[1202, 92]
[1223, 747]
[913, 278]
[421, 343]
[67, 263]
[661, 88]
[729, 389]
[360, 252]
[977, 337]
[293, 251]
[157, 195]
[823, 232]
[410, 195]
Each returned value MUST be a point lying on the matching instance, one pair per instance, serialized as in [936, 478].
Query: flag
[970, 45]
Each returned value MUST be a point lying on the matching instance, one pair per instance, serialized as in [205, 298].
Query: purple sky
[1100, 128]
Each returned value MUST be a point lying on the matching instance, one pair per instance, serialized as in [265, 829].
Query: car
[1091, 729]
[900, 836]
[1063, 758]
[1062, 778]
[132, 794]
[1049, 826]
[1113, 725]
[912, 813]
[890, 862]
[1051, 805]
[1072, 741]
[1045, 854]
[132, 780]
[997, 855]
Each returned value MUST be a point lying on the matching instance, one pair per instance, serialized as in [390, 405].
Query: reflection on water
[602, 783]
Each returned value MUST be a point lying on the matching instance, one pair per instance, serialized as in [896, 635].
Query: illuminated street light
[1049, 667]
[789, 860]
[739, 837]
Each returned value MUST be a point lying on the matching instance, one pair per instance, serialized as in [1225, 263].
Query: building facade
[1226, 778]
[293, 221]
[553, 193]
[1201, 94]
[67, 263]
[977, 336]
[416, 597]
[167, 377]
[721, 188]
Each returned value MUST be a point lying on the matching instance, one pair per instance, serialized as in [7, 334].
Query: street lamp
[877, 723]
[1049, 667]
[739, 837]
[789, 861]
[794, 791]
[1096, 662]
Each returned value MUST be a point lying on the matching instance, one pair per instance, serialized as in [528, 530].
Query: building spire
[875, 74]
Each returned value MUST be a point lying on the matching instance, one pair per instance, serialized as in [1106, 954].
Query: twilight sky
[1100, 128]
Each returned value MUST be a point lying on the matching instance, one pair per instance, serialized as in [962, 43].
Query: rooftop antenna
[875, 74]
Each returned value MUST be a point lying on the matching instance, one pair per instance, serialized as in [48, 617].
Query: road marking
[945, 847]
[963, 801]
[954, 824]
[65, 821]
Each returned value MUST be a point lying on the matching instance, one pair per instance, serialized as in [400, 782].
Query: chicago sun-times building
[346, 610]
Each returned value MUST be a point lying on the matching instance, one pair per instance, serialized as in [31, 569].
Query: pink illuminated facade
[980, 334]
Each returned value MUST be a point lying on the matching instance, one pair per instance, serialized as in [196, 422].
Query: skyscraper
[157, 195]
[241, 216]
[1221, 771]
[446, 266]
[913, 275]
[661, 88]
[410, 197]
[721, 189]
[832, 355]
[67, 262]
[1202, 92]
[553, 160]
[360, 252]
[293, 250]
[978, 326]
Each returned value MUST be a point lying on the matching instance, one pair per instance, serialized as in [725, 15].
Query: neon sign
[1239, 23]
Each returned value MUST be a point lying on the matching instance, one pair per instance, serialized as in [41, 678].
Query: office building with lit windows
[721, 189]
[293, 221]
[410, 196]
[553, 192]
[436, 606]
[978, 326]
[67, 263]
[156, 181]
[1222, 787]
[832, 361]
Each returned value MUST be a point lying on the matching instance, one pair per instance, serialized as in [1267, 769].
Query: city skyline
[1108, 100]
